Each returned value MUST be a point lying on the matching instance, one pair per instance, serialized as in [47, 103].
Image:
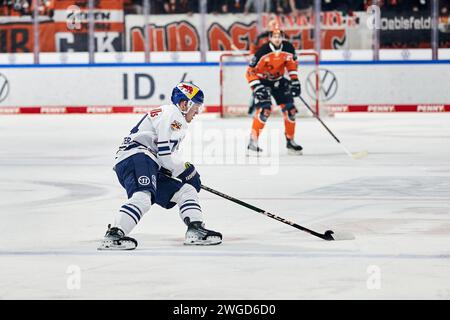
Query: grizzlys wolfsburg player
[148, 168]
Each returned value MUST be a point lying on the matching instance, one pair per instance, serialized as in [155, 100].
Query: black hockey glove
[191, 176]
[261, 92]
[296, 89]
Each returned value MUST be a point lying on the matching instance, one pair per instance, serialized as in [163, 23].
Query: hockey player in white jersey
[148, 167]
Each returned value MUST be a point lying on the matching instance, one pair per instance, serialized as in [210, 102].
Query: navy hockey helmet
[189, 92]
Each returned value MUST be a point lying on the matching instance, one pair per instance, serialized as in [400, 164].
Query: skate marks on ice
[382, 202]
[436, 131]
[388, 206]
[387, 187]
[242, 246]
[222, 253]
[13, 159]
[41, 194]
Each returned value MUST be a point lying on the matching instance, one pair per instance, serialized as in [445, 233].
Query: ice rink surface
[58, 193]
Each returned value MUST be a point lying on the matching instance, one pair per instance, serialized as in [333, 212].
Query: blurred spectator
[133, 6]
[357, 5]
[443, 9]
[399, 6]
[421, 5]
[17, 7]
[181, 6]
[46, 7]
[282, 6]
[226, 6]
[338, 5]
[236, 6]
[157, 6]
[302, 6]
[25, 7]
[252, 6]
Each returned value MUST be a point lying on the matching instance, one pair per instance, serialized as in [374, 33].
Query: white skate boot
[196, 234]
[115, 239]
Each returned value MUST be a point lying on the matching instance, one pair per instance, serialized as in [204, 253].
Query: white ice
[58, 193]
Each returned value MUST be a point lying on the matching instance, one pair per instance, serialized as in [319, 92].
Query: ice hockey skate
[115, 239]
[197, 234]
[293, 148]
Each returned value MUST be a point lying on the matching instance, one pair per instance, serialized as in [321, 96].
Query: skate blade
[295, 153]
[252, 153]
[211, 241]
[111, 246]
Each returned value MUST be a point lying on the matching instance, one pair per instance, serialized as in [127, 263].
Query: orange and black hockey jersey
[270, 63]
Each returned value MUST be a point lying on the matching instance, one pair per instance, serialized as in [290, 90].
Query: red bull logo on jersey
[189, 90]
[175, 125]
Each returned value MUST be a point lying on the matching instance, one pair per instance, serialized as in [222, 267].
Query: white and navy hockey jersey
[158, 134]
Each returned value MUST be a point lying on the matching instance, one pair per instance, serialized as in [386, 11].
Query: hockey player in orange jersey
[261, 39]
[265, 75]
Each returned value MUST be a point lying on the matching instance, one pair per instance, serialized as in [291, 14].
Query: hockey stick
[328, 235]
[356, 155]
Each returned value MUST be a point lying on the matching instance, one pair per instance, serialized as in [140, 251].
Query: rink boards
[353, 86]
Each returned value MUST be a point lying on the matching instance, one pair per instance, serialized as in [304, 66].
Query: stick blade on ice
[359, 155]
[342, 235]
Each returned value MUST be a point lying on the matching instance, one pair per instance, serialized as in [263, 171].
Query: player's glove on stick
[296, 89]
[261, 92]
[191, 176]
